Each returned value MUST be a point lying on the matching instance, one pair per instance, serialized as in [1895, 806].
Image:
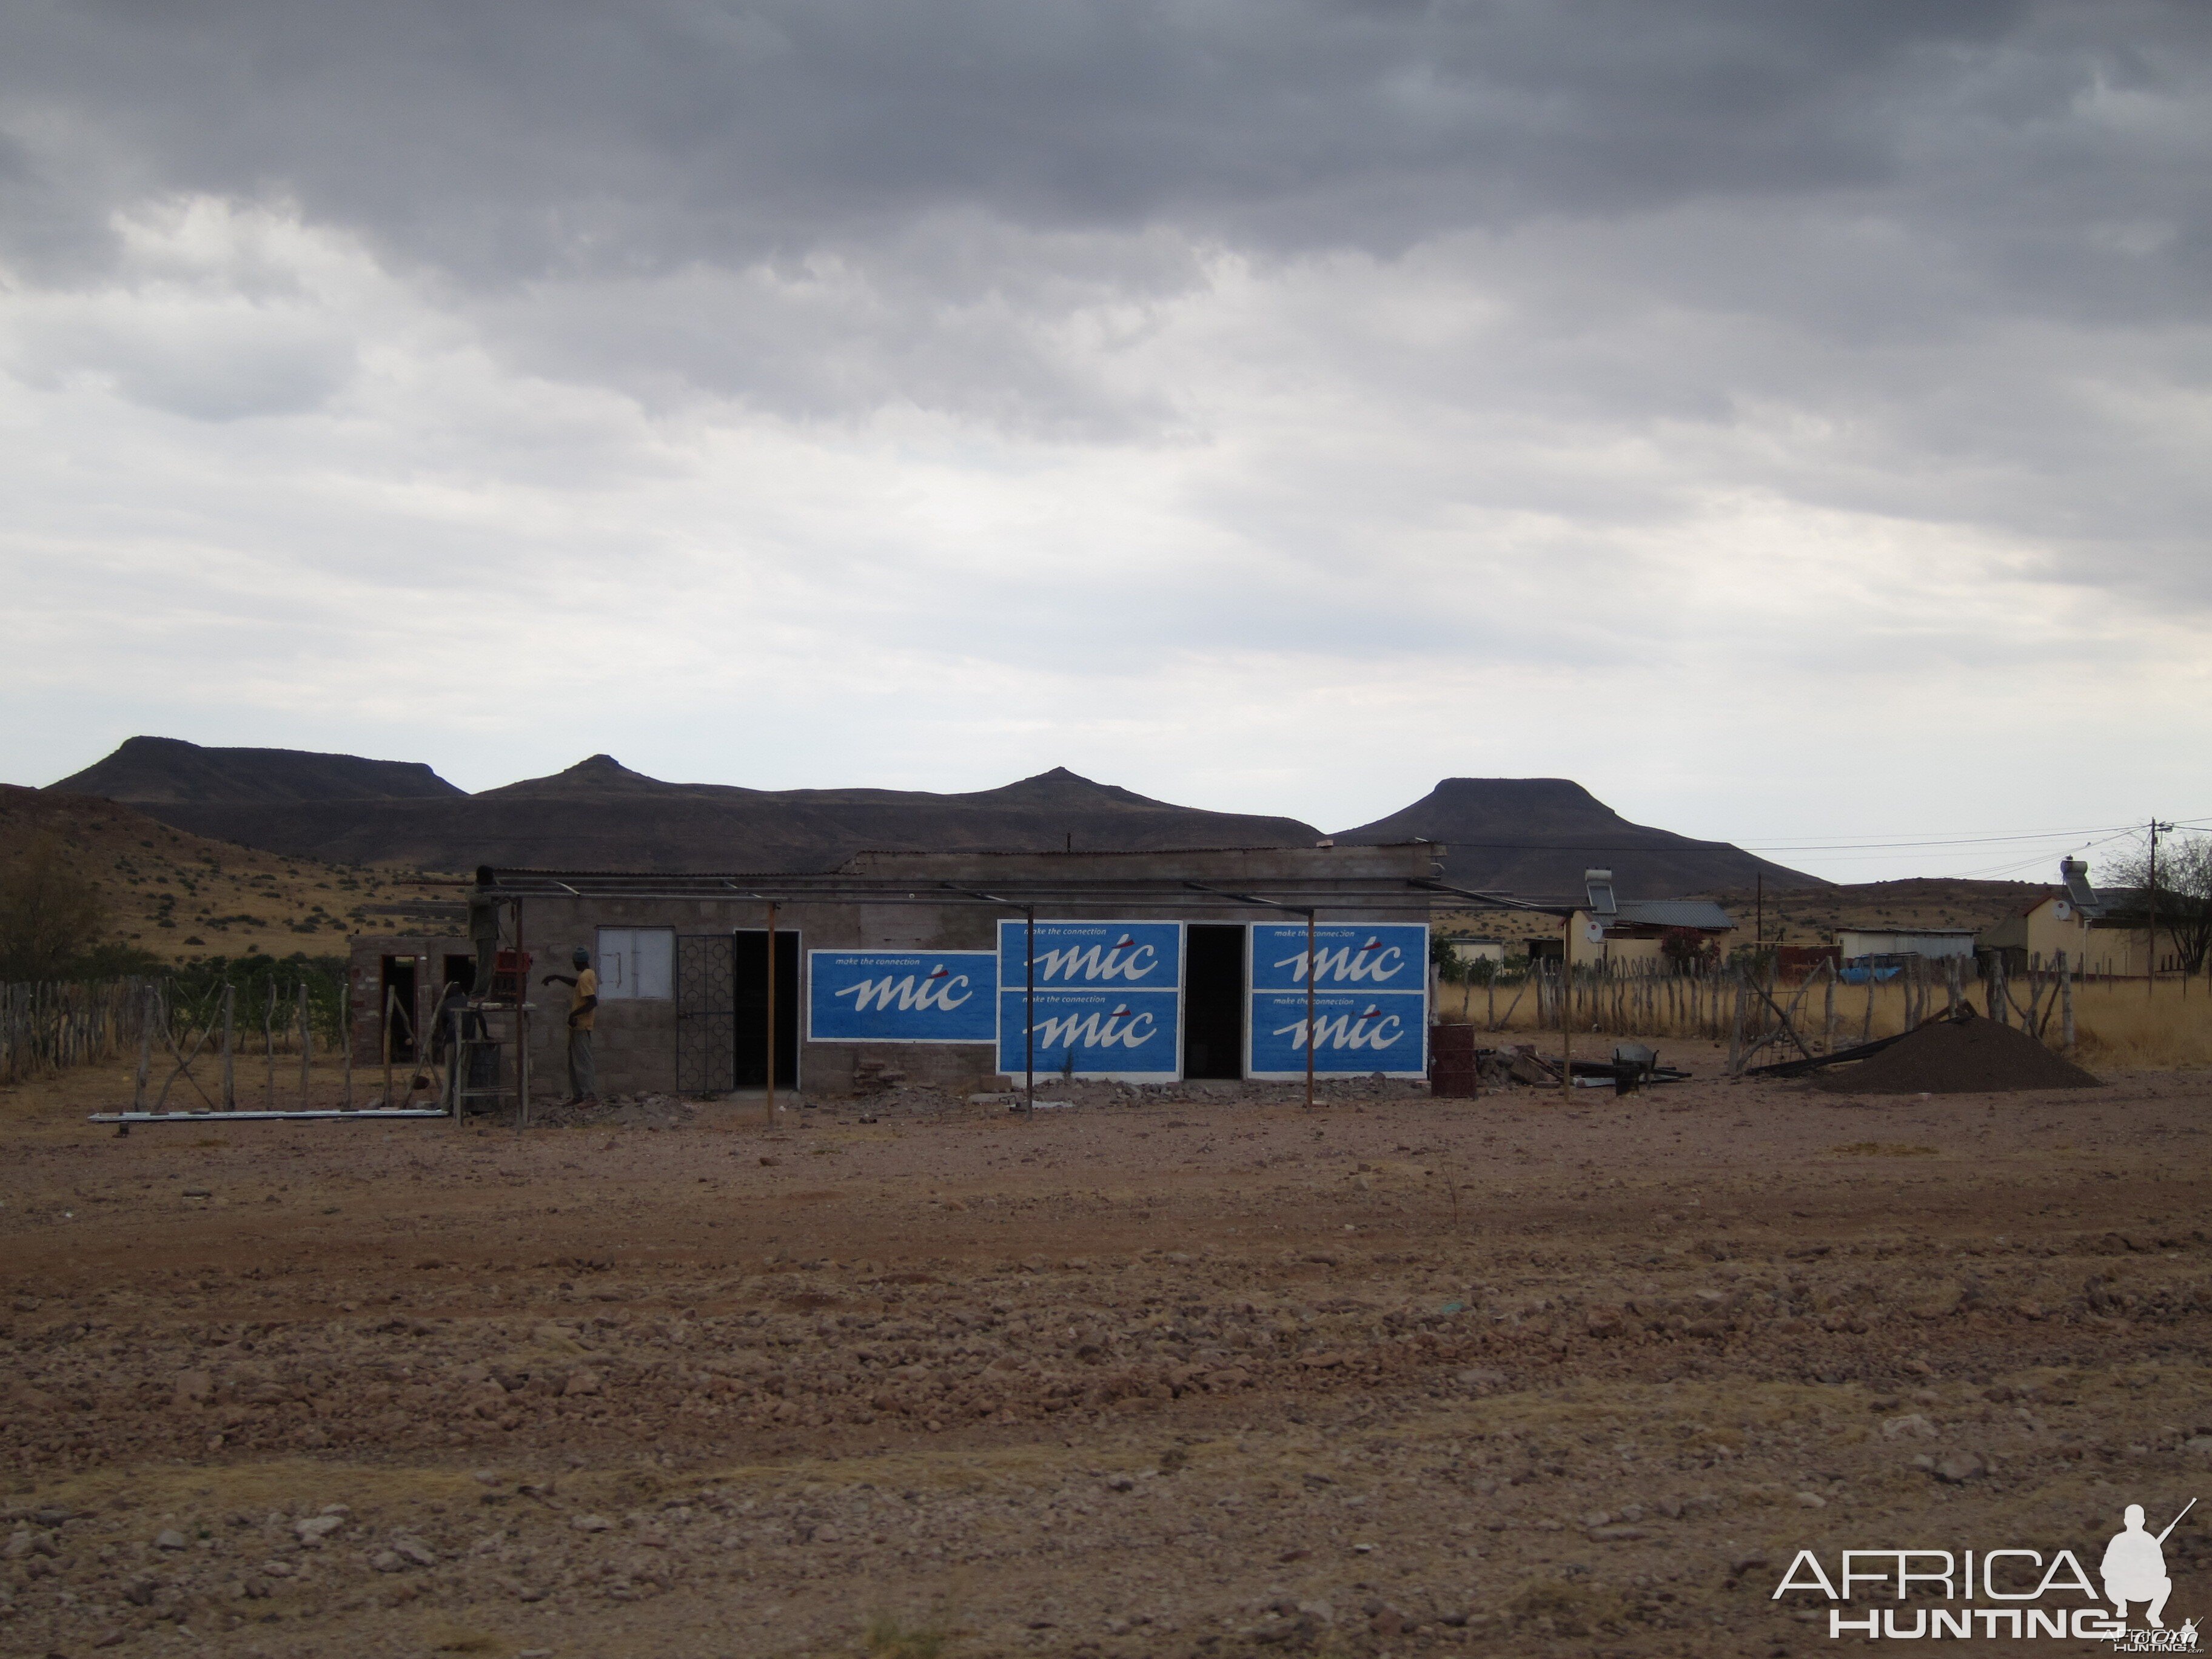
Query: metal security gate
[706, 1013]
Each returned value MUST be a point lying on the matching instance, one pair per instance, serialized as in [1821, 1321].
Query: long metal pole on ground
[1029, 1011]
[1310, 930]
[771, 1014]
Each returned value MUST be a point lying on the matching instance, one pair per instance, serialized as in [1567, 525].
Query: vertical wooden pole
[229, 1073]
[771, 1014]
[2066, 1001]
[521, 1021]
[345, 1030]
[2000, 999]
[307, 1043]
[1567, 1009]
[1310, 929]
[2150, 942]
[269, 1048]
[145, 1049]
[390, 1002]
[1828, 1011]
[1029, 1012]
[1735, 1031]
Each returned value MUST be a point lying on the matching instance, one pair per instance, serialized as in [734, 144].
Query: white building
[1935, 943]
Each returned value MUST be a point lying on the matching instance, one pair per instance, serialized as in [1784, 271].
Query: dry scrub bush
[890, 1637]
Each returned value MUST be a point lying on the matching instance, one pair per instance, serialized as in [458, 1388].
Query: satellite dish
[2062, 910]
[1593, 932]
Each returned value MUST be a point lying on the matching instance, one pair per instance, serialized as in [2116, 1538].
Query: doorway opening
[749, 1008]
[1213, 1000]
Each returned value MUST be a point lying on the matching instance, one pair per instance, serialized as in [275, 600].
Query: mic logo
[1373, 962]
[934, 990]
[1096, 1031]
[1370, 1029]
[1125, 959]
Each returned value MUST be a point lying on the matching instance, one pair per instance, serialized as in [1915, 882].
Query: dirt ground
[1206, 1375]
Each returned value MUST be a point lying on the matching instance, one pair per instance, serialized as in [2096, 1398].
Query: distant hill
[599, 814]
[168, 771]
[1535, 836]
[179, 896]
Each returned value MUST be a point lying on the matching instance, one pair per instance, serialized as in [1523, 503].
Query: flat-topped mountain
[167, 771]
[599, 814]
[1536, 836]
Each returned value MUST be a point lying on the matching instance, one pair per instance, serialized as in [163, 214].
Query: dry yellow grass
[2117, 1023]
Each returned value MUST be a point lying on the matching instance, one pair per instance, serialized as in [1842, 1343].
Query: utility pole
[2150, 950]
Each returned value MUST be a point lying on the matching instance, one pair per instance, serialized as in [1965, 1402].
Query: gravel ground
[1185, 1372]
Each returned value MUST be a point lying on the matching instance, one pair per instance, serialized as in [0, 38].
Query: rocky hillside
[179, 896]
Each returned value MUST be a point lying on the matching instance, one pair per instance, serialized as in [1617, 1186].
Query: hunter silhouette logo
[2032, 1596]
[2134, 1569]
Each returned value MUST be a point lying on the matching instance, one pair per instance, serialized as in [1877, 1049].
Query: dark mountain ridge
[1530, 835]
[1535, 836]
[599, 814]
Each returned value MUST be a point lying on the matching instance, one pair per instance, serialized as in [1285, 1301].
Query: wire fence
[47, 1026]
[1764, 1011]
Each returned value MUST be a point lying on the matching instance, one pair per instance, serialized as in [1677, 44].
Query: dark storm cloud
[507, 142]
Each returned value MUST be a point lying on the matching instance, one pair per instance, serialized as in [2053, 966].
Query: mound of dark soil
[1959, 1057]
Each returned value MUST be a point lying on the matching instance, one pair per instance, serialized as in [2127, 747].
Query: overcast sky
[1792, 421]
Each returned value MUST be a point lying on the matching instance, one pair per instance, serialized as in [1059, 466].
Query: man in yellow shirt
[583, 1081]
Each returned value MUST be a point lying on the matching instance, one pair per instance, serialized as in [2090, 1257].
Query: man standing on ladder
[484, 933]
[583, 1081]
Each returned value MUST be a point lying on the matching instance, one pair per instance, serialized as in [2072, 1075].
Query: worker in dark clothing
[583, 1079]
[484, 930]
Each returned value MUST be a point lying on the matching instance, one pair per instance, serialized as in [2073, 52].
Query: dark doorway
[1214, 1001]
[749, 1006]
[395, 1009]
[460, 970]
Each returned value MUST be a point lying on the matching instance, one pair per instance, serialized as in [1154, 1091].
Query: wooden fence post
[2066, 1001]
[145, 1048]
[1742, 1006]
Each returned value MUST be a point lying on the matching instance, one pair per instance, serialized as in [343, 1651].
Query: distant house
[1861, 944]
[2102, 931]
[1633, 930]
[1470, 947]
[2036, 935]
